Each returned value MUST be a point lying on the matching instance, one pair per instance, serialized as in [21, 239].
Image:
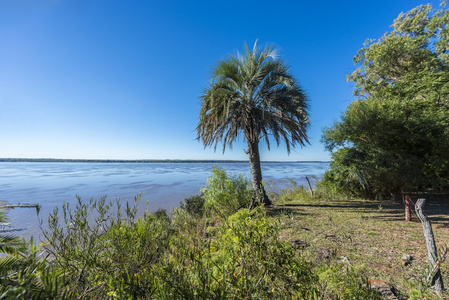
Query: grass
[370, 236]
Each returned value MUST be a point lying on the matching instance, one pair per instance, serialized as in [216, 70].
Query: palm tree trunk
[256, 173]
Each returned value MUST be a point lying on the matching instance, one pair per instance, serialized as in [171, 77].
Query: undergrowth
[212, 247]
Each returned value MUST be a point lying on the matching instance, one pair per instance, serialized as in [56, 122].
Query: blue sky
[121, 79]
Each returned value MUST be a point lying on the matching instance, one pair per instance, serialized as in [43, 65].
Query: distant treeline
[134, 161]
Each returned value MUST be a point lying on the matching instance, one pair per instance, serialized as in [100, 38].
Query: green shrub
[225, 194]
[103, 254]
[194, 205]
[135, 251]
[254, 263]
[243, 258]
[161, 214]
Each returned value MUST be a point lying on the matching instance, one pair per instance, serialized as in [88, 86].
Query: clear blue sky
[109, 79]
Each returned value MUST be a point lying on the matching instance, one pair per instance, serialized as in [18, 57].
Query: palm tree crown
[255, 94]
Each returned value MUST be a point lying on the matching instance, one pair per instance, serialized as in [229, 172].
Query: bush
[135, 252]
[243, 258]
[161, 214]
[194, 205]
[107, 255]
[250, 257]
[226, 194]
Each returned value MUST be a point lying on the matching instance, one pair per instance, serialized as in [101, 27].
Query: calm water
[163, 185]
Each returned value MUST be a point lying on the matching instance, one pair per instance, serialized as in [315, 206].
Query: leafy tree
[395, 136]
[255, 94]
[410, 62]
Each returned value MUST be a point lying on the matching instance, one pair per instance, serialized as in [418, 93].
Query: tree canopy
[395, 135]
[409, 62]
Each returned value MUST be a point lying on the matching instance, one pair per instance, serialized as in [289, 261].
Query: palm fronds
[255, 94]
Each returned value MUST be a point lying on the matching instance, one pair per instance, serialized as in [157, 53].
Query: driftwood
[18, 205]
[437, 279]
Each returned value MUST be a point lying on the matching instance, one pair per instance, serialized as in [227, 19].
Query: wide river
[162, 185]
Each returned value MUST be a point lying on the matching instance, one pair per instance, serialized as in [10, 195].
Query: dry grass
[371, 236]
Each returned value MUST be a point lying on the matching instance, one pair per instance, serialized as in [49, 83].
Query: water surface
[162, 185]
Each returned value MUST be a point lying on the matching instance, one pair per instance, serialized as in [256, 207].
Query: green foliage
[342, 282]
[30, 277]
[123, 257]
[135, 250]
[242, 258]
[384, 146]
[161, 214]
[396, 136]
[102, 254]
[421, 292]
[225, 194]
[414, 295]
[194, 205]
[99, 249]
[409, 61]
[255, 260]
[9, 243]
[300, 194]
[23, 273]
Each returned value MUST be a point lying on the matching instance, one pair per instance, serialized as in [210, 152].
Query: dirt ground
[369, 235]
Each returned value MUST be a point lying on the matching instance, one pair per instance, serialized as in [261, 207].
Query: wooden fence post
[408, 208]
[437, 279]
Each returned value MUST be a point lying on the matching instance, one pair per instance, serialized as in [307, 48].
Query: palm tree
[255, 94]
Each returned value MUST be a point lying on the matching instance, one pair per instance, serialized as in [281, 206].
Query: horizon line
[87, 160]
